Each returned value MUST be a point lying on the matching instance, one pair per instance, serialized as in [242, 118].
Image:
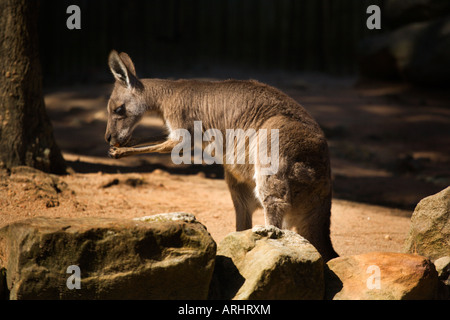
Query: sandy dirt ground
[389, 147]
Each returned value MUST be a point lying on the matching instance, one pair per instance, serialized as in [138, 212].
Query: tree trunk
[26, 133]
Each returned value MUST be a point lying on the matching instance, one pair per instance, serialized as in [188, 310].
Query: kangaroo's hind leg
[303, 208]
[244, 201]
[311, 206]
[274, 195]
[310, 217]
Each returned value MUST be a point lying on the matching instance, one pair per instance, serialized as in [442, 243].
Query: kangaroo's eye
[120, 110]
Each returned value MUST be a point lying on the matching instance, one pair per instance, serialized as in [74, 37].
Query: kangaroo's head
[126, 105]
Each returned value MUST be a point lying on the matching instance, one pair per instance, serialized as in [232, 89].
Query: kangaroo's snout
[108, 139]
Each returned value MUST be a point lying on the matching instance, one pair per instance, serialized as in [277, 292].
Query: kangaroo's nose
[108, 138]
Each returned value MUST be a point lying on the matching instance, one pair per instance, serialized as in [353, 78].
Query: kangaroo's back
[233, 103]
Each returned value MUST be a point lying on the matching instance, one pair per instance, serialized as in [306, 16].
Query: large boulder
[400, 12]
[169, 256]
[429, 234]
[443, 269]
[381, 276]
[267, 263]
[417, 52]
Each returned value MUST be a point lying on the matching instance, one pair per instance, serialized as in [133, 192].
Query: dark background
[380, 96]
[171, 37]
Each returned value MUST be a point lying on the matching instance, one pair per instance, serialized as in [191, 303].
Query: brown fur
[297, 197]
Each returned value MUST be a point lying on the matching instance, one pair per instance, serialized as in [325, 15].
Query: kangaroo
[296, 197]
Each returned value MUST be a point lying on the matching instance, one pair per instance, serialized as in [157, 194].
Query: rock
[417, 52]
[381, 276]
[401, 12]
[443, 269]
[429, 234]
[267, 263]
[169, 256]
[173, 216]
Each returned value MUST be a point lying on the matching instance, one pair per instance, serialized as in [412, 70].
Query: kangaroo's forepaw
[115, 153]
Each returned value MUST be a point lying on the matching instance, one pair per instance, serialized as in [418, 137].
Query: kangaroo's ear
[123, 70]
[128, 63]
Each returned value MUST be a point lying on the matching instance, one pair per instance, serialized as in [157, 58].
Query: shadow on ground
[388, 142]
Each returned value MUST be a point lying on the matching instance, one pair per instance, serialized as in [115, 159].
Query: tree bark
[26, 133]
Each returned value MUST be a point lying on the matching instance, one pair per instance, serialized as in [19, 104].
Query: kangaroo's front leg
[164, 147]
